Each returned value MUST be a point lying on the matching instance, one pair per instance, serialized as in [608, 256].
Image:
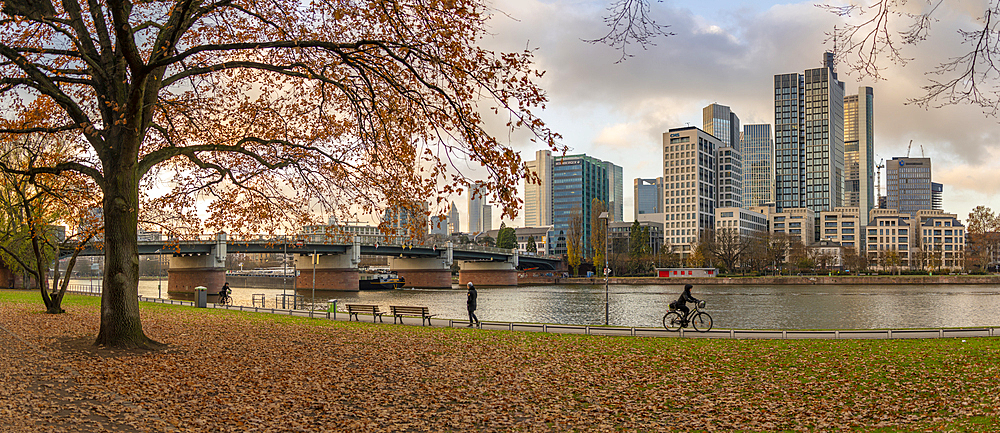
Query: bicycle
[702, 322]
[225, 299]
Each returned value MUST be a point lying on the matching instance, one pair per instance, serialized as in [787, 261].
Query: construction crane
[908, 148]
[878, 179]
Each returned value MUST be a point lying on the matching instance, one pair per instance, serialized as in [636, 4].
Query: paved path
[870, 334]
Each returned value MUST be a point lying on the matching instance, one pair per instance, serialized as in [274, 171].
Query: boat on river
[380, 281]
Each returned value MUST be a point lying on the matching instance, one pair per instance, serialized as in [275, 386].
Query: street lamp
[604, 216]
[159, 273]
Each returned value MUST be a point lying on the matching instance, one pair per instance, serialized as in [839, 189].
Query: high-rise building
[576, 181]
[859, 154]
[538, 196]
[615, 192]
[408, 220]
[453, 220]
[937, 190]
[730, 174]
[809, 139]
[648, 196]
[908, 184]
[480, 212]
[757, 149]
[689, 185]
[721, 122]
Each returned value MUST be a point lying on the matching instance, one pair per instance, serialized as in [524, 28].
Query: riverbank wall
[804, 280]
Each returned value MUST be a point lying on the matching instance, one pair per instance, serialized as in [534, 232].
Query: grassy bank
[233, 371]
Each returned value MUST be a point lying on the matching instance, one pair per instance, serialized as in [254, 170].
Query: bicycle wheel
[702, 322]
[672, 321]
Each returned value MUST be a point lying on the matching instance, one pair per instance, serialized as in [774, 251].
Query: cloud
[619, 111]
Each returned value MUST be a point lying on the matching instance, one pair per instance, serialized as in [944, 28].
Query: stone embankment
[527, 279]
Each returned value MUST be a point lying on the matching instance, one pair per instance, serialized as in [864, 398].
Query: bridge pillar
[333, 272]
[488, 273]
[187, 272]
[423, 272]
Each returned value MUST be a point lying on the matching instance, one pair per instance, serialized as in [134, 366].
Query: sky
[727, 52]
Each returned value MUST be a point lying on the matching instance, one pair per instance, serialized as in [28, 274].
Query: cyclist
[225, 291]
[681, 303]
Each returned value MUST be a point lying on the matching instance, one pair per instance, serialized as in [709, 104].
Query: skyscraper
[809, 138]
[757, 149]
[538, 197]
[453, 220]
[908, 184]
[615, 192]
[859, 152]
[721, 122]
[576, 181]
[480, 212]
[648, 195]
[730, 174]
[689, 185]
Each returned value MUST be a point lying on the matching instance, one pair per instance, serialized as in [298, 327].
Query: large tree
[272, 112]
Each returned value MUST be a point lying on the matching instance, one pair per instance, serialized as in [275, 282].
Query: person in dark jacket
[470, 303]
[686, 297]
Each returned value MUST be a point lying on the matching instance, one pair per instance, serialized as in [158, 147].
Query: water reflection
[746, 307]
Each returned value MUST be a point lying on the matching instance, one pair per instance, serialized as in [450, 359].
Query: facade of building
[538, 196]
[889, 238]
[908, 184]
[798, 223]
[648, 196]
[439, 225]
[827, 254]
[454, 225]
[480, 212]
[746, 221]
[689, 179]
[619, 235]
[408, 221]
[730, 174]
[757, 151]
[576, 181]
[843, 226]
[809, 139]
[941, 238]
[859, 152]
[615, 192]
[721, 122]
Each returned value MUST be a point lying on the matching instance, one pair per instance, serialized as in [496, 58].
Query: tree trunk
[120, 323]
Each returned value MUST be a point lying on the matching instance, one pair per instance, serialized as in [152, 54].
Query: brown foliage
[273, 113]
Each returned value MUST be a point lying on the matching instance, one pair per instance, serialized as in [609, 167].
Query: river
[749, 307]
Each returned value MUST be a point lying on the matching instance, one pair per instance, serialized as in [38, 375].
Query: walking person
[470, 303]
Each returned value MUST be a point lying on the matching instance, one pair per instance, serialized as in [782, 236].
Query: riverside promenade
[795, 280]
[616, 331]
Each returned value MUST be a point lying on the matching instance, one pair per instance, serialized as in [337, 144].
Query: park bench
[399, 311]
[354, 309]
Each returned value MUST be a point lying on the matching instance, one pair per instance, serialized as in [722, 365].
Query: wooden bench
[399, 311]
[354, 309]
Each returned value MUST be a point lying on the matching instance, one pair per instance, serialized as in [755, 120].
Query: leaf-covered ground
[234, 371]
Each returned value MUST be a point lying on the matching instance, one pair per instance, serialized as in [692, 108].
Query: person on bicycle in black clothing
[225, 291]
[681, 303]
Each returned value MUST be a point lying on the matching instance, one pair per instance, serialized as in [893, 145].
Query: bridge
[333, 260]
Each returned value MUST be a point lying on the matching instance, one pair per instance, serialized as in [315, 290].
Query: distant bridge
[333, 261]
[312, 244]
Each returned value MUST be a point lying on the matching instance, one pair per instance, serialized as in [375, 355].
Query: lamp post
[604, 216]
[159, 273]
